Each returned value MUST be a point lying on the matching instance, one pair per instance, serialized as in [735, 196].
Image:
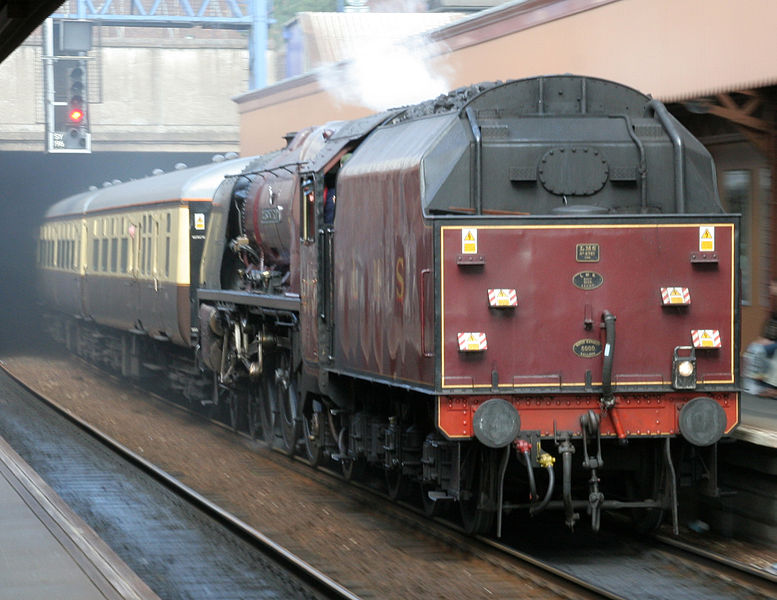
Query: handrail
[424, 272]
[679, 150]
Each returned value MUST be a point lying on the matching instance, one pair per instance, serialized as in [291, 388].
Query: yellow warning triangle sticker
[706, 238]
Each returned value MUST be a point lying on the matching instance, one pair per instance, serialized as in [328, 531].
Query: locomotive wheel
[254, 413]
[313, 432]
[286, 395]
[353, 469]
[233, 402]
[266, 407]
[253, 416]
[477, 491]
[396, 483]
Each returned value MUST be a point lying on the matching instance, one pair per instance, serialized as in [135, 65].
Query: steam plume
[387, 73]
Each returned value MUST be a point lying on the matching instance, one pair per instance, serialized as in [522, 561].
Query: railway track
[369, 553]
[180, 543]
[609, 567]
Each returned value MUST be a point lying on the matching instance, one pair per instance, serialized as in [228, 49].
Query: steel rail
[317, 580]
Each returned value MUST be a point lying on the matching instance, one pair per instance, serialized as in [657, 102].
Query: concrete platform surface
[758, 421]
[47, 551]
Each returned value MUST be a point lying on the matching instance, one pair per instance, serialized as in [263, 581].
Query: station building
[710, 61]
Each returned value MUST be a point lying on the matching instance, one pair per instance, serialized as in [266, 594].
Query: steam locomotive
[434, 292]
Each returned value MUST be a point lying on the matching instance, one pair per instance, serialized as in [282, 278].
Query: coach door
[133, 266]
[83, 256]
[157, 276]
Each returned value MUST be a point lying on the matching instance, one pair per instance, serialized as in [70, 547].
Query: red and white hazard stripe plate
[706, 338]
[675, 295]
[472, 341]
[502, 298]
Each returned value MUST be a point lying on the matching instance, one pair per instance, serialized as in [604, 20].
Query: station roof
[18, 19]
[672, 49]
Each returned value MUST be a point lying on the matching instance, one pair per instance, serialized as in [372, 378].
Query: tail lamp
[684, 368]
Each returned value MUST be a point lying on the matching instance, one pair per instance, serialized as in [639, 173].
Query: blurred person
[760, 364]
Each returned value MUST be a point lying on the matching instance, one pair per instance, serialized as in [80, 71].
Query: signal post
[66, 84]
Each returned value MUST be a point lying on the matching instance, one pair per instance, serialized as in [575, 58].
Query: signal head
[76, 115]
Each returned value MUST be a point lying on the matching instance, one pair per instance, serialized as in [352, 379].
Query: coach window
[153, 261]
[95, 254]
[77, 247]
[124, 253]
[104, 259]
[114, 254]
[72, 242]
[169, 230]
[167, 256]
[150, 247]
[143, 245]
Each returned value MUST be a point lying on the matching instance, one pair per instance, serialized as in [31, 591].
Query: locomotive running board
[287, 302]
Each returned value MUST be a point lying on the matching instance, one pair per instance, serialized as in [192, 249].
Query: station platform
[47, 551]
[758, 421]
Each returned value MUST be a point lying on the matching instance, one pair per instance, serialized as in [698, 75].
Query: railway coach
[435, 292]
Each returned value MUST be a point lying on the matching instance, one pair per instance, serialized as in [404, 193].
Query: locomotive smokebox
[268, 217]
[270, 211]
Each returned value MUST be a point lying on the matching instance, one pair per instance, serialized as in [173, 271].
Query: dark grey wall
[31, 182]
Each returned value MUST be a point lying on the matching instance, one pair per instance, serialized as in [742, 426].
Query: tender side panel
[383, 282]
[550, 336]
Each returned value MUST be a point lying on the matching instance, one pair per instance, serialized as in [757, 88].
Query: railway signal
[67, 86]
[69, 131]
[76, 124]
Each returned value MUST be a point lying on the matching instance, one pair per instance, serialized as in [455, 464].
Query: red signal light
[76, 115]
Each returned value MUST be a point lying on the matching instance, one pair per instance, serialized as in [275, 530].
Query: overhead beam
[250, 15]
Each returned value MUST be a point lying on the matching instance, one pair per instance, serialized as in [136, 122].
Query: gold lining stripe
[445, 228]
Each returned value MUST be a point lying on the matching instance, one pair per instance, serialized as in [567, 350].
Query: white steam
[385, 74]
